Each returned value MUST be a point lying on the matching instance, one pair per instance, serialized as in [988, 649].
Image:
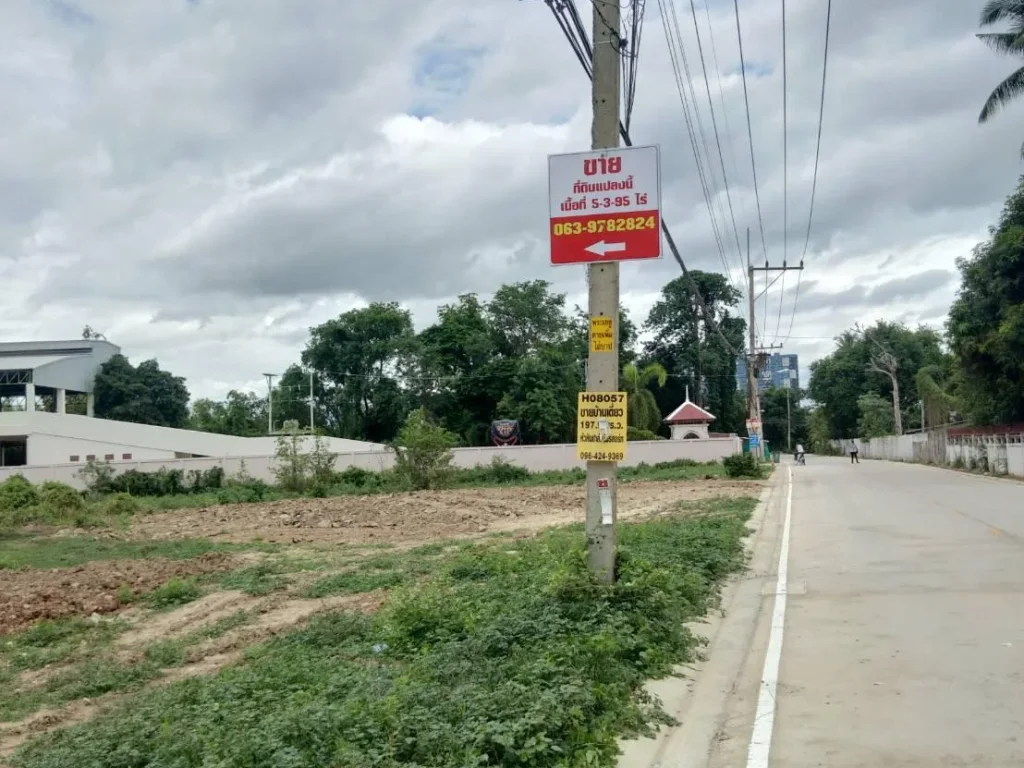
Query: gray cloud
[206, 180]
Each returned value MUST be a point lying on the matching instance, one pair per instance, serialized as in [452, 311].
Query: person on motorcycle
[799, 453]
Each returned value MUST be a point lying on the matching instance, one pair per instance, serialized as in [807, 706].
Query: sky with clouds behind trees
[203, 180]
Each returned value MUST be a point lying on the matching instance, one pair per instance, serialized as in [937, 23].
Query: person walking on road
[799, 453]
[854, 458]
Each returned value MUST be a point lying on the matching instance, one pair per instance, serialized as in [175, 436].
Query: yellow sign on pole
[602, 334]
[601, 426]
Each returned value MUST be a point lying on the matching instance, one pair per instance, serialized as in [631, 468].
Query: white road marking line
[764, 720]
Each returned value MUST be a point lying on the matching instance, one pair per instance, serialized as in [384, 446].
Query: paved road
[903, 635]
[904, 626]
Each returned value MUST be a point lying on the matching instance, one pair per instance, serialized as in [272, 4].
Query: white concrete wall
[536, 458]
[1004, 453]
[64, 435]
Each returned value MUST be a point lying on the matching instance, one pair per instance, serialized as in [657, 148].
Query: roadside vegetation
[303, 469]
[499, 651]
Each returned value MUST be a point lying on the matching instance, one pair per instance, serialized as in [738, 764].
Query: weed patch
[354, 582]
[23, 551]
[258, 580]
[502, 658]
[174, 593]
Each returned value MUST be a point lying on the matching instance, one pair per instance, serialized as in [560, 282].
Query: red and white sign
[605, 205]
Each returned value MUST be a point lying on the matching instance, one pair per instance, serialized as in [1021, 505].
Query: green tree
[694, 354]
[876, 416]
[143, 394]
[360, 359]
[1009, 43]
[986, 322]
[839, 379]
[934, 387]
[423, 452]
[463, 377]
[241, 413]
[524, 317]
[542, 395]
[819, 432]
[780, 424]
[642, 405]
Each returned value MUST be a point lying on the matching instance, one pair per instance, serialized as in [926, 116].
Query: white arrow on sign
[601, 247]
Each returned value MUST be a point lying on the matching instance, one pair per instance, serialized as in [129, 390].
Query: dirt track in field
[31, 595]
[418, 517]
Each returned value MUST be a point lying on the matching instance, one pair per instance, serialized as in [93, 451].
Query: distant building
[782, 372]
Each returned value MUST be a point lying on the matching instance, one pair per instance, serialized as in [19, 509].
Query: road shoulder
[699, 697]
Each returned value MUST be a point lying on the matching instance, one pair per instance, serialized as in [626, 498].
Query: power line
[573, 30]
[817, 157]
[718, 140]
[750, 130]
[785, 174]
[705, 187]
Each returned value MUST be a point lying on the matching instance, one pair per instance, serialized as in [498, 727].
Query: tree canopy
[143, 394]
[986, 322]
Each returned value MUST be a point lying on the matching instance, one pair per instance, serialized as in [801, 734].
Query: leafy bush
[120, 505]
[97, 476]
[60, 496]
[742, 465]
[501, 471]
[423, 452]
[355, 476]
[17, 493]
[958, 462]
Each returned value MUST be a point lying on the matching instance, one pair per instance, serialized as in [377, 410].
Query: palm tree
[1010, 43]
[642, 410]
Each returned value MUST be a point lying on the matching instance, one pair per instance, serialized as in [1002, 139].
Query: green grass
[51, 642]
[505, 657]
[27, 551]
[351, 583]
[257, 580]
[172, 594]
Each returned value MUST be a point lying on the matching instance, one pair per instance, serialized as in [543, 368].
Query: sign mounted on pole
[601, 426]
[602, 334]
[605, 205]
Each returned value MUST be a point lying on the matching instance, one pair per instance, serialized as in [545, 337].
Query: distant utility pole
[754, 354]
[789, 422]
[270, 402]
[603, 280]
[311, 429]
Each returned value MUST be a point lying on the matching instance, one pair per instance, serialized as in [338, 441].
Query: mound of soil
[31, 595]
[418, 517]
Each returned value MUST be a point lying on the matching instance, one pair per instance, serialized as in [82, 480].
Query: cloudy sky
[202, 180]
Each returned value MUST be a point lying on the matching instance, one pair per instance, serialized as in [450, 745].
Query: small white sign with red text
[605, 205]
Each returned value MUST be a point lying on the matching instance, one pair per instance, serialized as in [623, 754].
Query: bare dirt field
[31, 595]
[418, 517]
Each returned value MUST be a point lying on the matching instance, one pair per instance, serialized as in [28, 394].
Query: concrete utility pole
[754, 400]
[789, 423]
[270, 402]
[603, 281]
[311, 428]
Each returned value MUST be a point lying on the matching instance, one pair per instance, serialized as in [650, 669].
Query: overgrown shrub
[17, 493]
[97, 477]
[742, 465]
[356, 477]
[423, 452]
[120, 505]
[500, 470]
[60, 496]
